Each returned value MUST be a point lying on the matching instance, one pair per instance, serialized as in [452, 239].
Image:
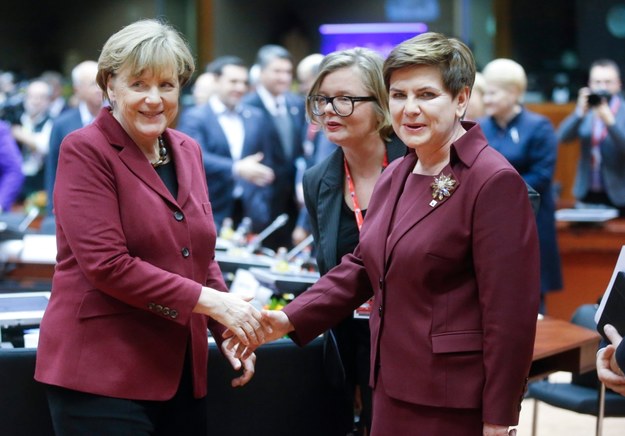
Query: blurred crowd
[251, 123]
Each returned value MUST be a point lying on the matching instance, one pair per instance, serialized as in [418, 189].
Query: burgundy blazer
[131, 262]
[455, 286]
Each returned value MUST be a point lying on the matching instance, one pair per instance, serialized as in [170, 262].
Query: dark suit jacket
[323, 194]
[65, 123]
[202, 124]
[283, 189]
[130, 266]
[456, 286]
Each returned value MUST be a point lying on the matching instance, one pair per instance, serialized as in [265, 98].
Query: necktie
[283, 125]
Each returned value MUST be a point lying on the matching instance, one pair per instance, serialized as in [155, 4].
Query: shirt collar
[219, 108]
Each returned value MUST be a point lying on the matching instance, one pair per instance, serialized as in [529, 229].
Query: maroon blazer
[455, 286]
[130, 266]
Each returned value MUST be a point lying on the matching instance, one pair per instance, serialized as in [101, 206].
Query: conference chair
[584, 394]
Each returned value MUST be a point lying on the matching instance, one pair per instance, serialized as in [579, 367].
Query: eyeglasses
[342, 104]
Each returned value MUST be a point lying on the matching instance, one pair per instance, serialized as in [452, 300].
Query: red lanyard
[352, 190]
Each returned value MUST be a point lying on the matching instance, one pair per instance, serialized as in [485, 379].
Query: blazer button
[151, 306]
[173, 313]
[159, 308]
[179, 216]
[380, 310]
[166, 311]
[185, 252]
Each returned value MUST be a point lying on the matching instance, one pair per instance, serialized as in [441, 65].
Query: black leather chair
[289, 394]
[585, 394]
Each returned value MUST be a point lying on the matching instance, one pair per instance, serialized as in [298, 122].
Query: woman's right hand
[236, 314]
[277, 324]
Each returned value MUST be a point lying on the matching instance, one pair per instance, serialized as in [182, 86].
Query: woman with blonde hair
[528, 140]
[123, 346]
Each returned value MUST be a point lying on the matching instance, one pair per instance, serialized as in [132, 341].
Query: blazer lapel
[131, 155]
[329, 207]
[183, 155]
[417, 210]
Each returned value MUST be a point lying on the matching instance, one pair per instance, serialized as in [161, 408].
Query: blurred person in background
[236, 147]
[316, 145]
[59, 103]
[285, 122]
[33, 135]
[611, 361]
[88, 97]
[528, 140]
[203, 88]
[475, 110]
[11, 176]
[599, 123]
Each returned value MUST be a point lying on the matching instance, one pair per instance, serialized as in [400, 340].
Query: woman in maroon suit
[123, 345]
[449, 252]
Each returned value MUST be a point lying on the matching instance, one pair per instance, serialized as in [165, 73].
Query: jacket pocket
[457, 342]
[96, 303]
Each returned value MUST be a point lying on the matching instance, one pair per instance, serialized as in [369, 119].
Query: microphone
[299, 247]
[280, 221]
[28, 219]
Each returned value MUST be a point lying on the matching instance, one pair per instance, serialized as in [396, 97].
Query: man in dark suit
[235, 145]
[89, 97]
[285, 120]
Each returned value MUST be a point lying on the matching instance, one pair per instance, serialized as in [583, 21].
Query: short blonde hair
[506, 72]
[451, 56]
[145, 45]
[369, 66]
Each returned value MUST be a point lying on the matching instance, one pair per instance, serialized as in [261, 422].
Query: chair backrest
[584, 316]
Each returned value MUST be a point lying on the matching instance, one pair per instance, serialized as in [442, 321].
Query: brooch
[442, 187]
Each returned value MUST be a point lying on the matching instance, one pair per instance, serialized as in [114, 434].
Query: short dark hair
[451, 56]
[606, 63]
[217, 66]
[269, 52]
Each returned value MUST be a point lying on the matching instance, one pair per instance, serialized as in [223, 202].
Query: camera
[596, 98]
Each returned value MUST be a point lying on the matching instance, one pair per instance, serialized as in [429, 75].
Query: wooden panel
[205, 26]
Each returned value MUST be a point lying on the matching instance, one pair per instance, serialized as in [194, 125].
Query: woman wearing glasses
[349, 101]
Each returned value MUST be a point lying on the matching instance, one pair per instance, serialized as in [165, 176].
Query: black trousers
[354, 344]
[79, 413]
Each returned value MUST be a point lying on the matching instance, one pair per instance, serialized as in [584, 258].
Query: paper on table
[39, 249]
[620, 266]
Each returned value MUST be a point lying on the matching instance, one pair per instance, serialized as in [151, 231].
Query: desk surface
[562, 346]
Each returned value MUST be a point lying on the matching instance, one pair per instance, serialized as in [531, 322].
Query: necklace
[163, 157]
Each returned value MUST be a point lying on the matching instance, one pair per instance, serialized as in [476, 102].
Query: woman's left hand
[498, 430]
[246, 364]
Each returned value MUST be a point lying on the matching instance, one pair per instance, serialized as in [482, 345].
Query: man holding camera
[599, 123]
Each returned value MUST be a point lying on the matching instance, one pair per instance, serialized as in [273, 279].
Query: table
[588, 253]
[562, 346]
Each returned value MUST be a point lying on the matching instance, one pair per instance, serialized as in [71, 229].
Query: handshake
[246, 328]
